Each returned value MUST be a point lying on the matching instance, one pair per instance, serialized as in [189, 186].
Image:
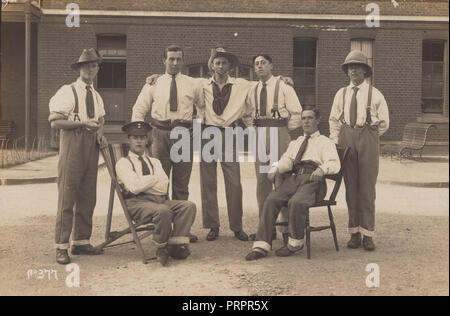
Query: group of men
[358, 117]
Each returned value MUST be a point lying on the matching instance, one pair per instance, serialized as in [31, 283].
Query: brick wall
[398, 51]
[406, 7]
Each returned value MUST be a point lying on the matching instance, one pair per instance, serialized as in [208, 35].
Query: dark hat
[137, 128]
[87, 56]
[357, 57]
[219, 51]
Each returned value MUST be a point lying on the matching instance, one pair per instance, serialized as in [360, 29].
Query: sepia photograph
[231, 154]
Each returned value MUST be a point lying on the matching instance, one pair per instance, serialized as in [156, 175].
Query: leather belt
[168, 125]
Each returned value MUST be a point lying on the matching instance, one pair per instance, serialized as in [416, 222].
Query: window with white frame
[433, 70]
[113, 50]
[366, 46]
[305, 52]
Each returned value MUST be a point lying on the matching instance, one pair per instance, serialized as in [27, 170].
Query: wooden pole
[27, 77]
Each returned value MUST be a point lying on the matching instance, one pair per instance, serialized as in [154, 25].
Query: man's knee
[191, 208]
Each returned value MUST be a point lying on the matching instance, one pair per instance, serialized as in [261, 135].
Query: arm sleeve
[336, 111]
[131, 180]
[286, 162]
[143, 103]
[293, 106]
[331, 163]
[383, 114]
[62, 102]
[101, 106]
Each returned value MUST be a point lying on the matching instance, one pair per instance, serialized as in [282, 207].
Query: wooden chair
[111, 154]
[331, 201]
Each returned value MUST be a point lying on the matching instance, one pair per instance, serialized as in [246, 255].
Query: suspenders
[76, 109]
[368, 108]
[275, 100]
[134, 169]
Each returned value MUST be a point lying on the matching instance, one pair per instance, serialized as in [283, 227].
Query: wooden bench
[7, 128]
[414, 140]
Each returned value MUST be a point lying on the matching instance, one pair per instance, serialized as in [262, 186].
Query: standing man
[225, 102]
[359, 116]
[306, 161]
[146, 184]
[170, 103]
[78, 111]
[272, 94]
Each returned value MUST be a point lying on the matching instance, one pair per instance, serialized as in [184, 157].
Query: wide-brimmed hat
[87, 56]
[137, 128]
[219, 51]
[357, 57]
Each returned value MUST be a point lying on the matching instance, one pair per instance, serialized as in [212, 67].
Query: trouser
[298, 193]
[233, 187]
[162, 214]
[360, 176]
[77, 187]
[181, 171]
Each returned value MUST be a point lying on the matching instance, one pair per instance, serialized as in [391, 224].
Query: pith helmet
[357, 57]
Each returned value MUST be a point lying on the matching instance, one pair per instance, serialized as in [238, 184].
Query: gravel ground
[412, 251]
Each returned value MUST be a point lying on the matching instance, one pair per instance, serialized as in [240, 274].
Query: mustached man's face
[137, 144]
[356, 73]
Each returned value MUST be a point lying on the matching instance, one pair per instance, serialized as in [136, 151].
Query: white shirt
[63, 102]
[320, 149]
[239, 105]
[156, 183]
[378, 109]
[157, 99]
[288, 104]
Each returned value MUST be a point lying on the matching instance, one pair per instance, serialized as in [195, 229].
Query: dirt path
[412, 255]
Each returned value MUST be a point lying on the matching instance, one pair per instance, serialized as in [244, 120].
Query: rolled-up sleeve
[286, 161]
[383, 114]
[62, 102]
[331, 163]
[143, 103]
[293, 106]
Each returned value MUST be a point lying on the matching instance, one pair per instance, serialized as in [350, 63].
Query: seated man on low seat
[146, 195]
[306, 161]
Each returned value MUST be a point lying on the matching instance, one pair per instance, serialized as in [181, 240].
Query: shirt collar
[176, 76]
[363, 85]
[133, 155]
[230, 80]
[83, 84]
[313, 135]
[269, 81]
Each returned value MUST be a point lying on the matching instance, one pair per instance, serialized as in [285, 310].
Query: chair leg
[333, 228]
[110, 210]
[308, 237]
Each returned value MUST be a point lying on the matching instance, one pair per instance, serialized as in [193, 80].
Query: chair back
[343, 153]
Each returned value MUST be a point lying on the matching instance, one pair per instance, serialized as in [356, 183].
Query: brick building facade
[307, 39]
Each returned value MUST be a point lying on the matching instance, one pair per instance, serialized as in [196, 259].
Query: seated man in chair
[305, 162]
[146, 187]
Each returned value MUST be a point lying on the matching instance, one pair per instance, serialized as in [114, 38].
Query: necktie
[301, 151]
[263, 100]
[145, 169]
[173, 95]
[89, 102]
[221, 98]
[353, 108]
